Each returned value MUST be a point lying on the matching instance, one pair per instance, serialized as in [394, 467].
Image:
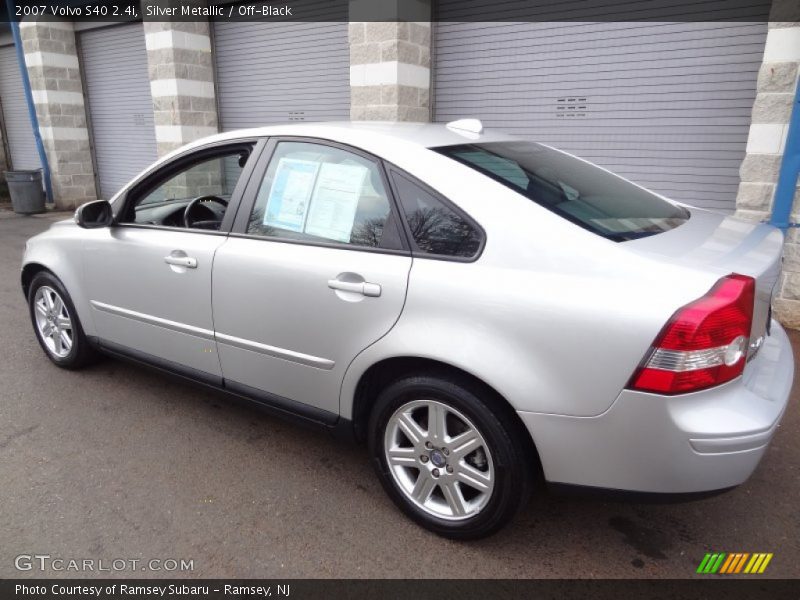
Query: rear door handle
[364, 288]
[181, 261]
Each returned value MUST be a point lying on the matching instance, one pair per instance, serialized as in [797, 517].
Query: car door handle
[181, 261]
[364, 288]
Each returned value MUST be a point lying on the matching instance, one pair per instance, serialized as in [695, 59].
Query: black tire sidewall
[78, 353]
[511, 472]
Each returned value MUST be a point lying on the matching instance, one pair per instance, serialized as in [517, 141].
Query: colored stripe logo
[723, 563]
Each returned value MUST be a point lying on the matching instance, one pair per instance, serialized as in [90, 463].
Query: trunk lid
[724, 245]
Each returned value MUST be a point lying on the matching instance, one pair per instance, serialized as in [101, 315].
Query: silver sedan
[490, 315]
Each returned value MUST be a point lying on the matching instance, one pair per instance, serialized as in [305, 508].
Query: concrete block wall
[390, 71]
[772, 109]
[52, 61]
[181, 82]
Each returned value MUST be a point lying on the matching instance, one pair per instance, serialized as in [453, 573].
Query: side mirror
[94, 215]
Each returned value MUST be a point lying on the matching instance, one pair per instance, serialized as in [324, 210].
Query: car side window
[318, 193]
[435, 227]
[212, 177]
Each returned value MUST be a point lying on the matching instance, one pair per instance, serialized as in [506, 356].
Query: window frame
[153, 178]
[245, 208]
[416, 252]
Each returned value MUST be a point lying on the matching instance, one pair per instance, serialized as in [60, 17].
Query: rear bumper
[708, 440]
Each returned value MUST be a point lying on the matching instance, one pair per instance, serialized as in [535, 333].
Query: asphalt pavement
[118, 462]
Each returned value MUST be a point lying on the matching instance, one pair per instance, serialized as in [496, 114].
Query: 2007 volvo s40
[488, 314]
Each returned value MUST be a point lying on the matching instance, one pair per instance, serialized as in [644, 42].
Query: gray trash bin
[25, 189]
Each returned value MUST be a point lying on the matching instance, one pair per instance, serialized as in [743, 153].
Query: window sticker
[335, 200]
[290, 195]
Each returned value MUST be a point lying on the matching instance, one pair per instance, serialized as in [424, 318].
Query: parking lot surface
[120, 462]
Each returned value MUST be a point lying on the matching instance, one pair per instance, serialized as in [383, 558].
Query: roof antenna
[469, 125]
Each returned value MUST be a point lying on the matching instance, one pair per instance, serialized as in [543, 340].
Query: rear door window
[576, 190]
[435, 227]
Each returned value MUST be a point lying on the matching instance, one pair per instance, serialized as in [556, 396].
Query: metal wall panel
[276, 72]
[114, 60]
[666, 104]
[21, 143]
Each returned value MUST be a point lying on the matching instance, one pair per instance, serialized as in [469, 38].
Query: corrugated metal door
[666, 105]
[21, 143]
[120, 105]
[274, 72]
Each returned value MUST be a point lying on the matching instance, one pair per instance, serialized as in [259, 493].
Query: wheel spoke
[56, 336]
[58, 305]
[66, 341]
[424, 487]
[454, 497]
[404, 457]
[409, 426]
[41, 307]
[47, 330]
[437, 425]
[464, 443]
[64, 322]
[474, 478]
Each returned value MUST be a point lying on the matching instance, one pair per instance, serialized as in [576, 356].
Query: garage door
[19, 131]
[665, 104]
[120, 105]
[274, 72]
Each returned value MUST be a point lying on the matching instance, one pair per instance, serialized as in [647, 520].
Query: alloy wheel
[439, 459]
[53, 321]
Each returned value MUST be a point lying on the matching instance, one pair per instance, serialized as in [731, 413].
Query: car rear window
[582, 193]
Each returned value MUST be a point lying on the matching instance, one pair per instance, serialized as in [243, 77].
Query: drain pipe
[26, 86]
[790, 167]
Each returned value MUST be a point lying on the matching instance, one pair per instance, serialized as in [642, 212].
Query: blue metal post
[790, 167]
[26, 85]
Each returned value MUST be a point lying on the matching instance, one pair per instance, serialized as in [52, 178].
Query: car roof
[370, 135]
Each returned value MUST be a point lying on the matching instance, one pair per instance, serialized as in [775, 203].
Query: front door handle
[364, 287]
[181, 261]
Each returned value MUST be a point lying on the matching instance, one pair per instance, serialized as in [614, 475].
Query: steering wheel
[213, 207]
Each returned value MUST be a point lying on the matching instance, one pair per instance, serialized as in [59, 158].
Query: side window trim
[239, 228]
[416, 252]
[149, 181]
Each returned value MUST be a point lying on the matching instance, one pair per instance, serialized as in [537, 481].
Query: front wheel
[446, 458]
[56, 323]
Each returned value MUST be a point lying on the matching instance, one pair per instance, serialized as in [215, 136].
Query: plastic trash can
[25, 189]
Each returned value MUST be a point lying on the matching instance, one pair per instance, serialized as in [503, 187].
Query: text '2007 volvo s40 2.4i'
[488, 314]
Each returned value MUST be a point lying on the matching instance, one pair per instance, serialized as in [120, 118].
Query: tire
[56, 324]
[455, 489]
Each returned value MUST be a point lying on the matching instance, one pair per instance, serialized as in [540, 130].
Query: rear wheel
[56, 323]
[446, 458]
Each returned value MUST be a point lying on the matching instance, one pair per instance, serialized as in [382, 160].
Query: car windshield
[578, 191]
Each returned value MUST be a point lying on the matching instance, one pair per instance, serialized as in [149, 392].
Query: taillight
[704, 343]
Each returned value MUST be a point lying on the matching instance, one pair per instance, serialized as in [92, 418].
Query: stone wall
[52, 62]
[390, 72]
[777, 81]
[181, 82]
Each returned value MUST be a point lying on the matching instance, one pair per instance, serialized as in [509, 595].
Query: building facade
[697, 111]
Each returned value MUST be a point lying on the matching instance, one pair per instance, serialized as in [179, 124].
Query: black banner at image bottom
[421, 589]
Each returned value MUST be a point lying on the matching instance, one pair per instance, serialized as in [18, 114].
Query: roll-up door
[665, 104]
[21, 143]
[275, 72]
[120, 104]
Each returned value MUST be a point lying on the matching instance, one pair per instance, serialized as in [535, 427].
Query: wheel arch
[29, 271]
[385, 371]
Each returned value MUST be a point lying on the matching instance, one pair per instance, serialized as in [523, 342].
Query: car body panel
[140, 301]
[703, 441]
[281, 328]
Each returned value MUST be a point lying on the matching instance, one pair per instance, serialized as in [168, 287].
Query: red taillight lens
[704, 344]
